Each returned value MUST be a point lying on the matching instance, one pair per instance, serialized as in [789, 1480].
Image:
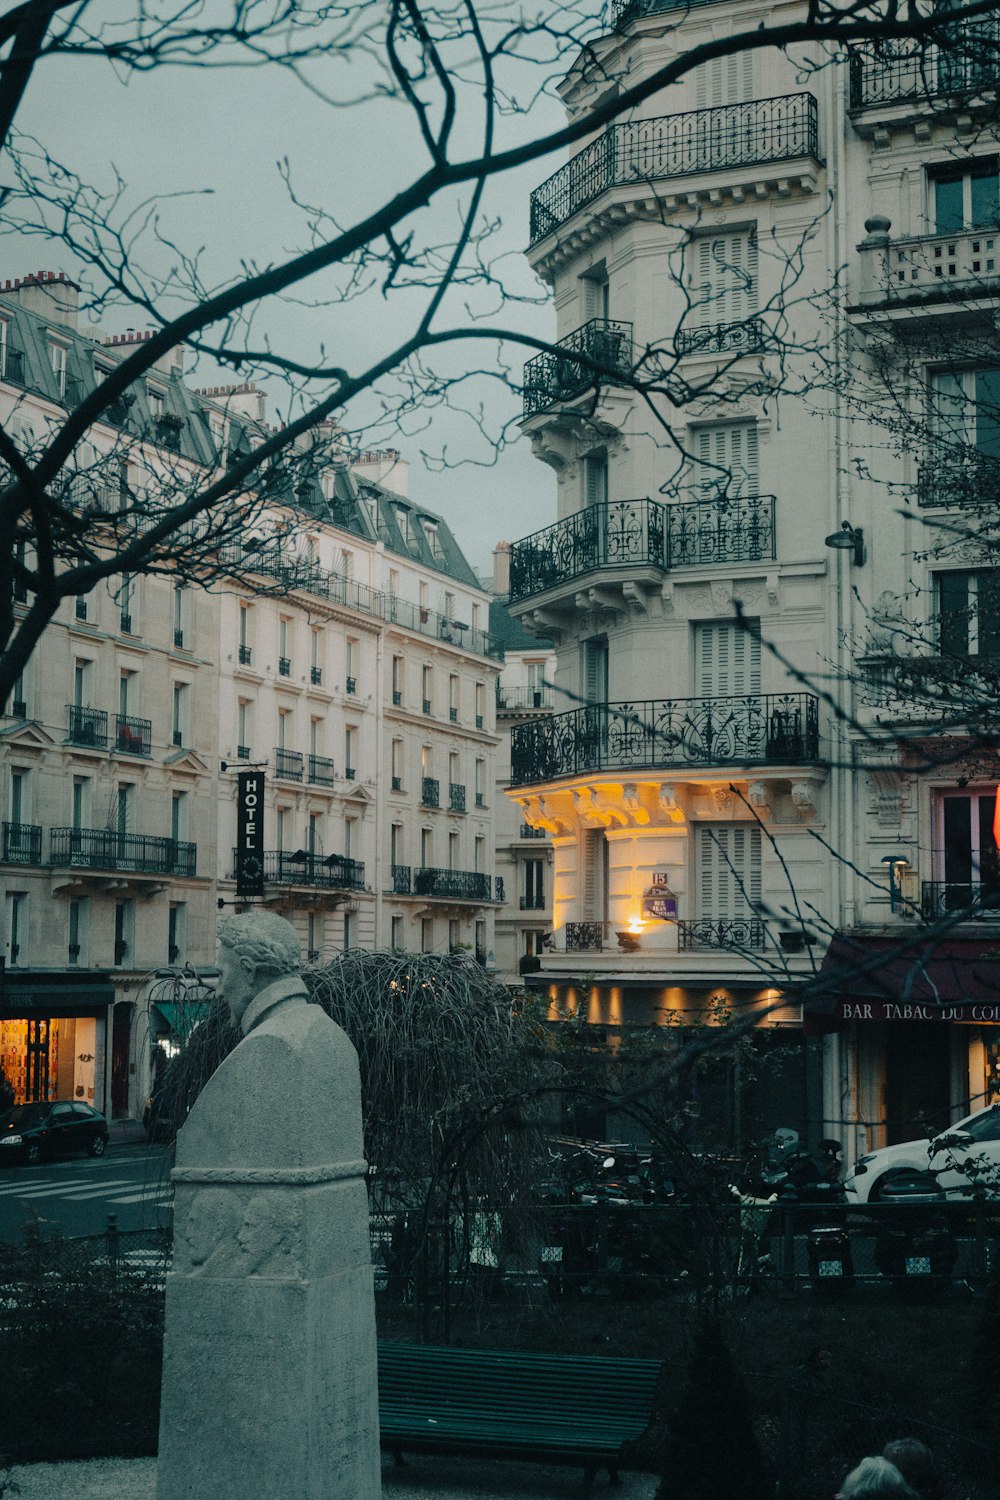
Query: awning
[909, 978]
[182, 1019]
[54, 993]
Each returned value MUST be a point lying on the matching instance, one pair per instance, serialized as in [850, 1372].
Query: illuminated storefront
[54, 1036]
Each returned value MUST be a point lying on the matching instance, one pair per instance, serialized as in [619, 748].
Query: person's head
[876, 1479]
[915, 1462]
[255, 948]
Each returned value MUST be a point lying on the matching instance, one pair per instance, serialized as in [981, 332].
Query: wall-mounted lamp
[848, 539]
[896, 864]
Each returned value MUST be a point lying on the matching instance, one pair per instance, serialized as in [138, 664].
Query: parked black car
[30, 1131]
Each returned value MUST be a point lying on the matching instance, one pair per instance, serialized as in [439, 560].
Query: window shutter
[731, 451]
[729, 859]
[589, 856]
[724, 80]
[727, 660]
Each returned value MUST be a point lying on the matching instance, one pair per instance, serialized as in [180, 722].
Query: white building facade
[723, 803]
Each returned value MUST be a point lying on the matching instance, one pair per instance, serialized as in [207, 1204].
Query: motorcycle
[915, 1248]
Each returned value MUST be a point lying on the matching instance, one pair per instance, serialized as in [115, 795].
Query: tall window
[595, 669]
[724, 80]
[397, 765]
[20, 783]
[396, 938]
[966, 861]
[126, 605]
[397, 680]
[596, 294]
[396, 844]
[723, 279]
[243, 729]
[124, 931]
[426, 848]
[727, 660]
[17, 927]
[534, 884]
[427, 689]
[80, 808]
[179, 610]
[176, 931]
[179, 805]
[965, 415]
[453, 697]
[179, 713]
[969, 613]
[454, 860]
[965, 197]
[427, 934]
[76, 932]
[595, 479]
[349, 751]
[58, 356]
[729, 870]
[727, 460]
[284, 715]
[593, 874]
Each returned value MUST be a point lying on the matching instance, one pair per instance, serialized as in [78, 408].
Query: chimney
[501, 569]
[171, 363]
[383, 466]
[53, 297]
[245, 400]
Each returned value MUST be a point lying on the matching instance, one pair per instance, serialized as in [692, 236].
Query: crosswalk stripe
[47, 1191]
[159, 1195]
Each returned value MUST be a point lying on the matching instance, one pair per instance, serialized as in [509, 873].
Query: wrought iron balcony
[744, 934]
[516, 699]
[623, 12]
[87, 726]
[246, 656]
[454, 885]
[242, 752]
[304, 867]
[530, 832]
[284, 666]
[351, 685]
[666, 733]
[550, 377]
[402, 878]
[532, 903]
[897, 71]
[979, 900]
[585, 937]
[974, 481]
[321, 770]
[700, 140]
[745, 337]
[289, 764]
[316, 676]
[456, 797]
[104, 849]
[430, 792]
[133, 736]
[22, 843]
[641, 534]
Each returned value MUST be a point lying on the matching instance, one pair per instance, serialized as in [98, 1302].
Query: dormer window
[3, 347]
[57, 357]
[157, 402]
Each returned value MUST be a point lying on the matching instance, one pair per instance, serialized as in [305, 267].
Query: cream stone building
[342, 646]
[729, 807]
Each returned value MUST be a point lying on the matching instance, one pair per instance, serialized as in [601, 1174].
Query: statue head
[255, 948]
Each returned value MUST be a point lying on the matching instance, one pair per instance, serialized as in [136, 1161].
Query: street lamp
[848, 539]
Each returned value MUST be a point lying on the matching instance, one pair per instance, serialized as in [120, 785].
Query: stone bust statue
[260, 959]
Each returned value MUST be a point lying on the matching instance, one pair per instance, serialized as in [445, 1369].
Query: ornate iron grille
[745, 933]
[458, 885]
[780, 728]
[305, 867]
[699, 140]
[884, 73]
[133, 736]
[584, 937]
[638, 533]
[289, 764]
[722, 338]
[550, 377]
[401, 880]
[321, 770]
[979, 899]
[430, 792]
[103, 849]
[22, 843]
[974, 481]
[456, 797]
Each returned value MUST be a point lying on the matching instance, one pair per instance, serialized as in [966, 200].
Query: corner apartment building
[348, 654]
[730, 808]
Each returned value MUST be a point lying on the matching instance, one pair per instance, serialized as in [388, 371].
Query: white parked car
[964, 1155]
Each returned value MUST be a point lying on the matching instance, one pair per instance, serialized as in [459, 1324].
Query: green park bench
[553, 1408]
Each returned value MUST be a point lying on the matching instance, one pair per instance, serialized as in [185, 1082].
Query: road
[75, 1196]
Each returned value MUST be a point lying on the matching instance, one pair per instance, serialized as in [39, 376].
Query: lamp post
[848, 539]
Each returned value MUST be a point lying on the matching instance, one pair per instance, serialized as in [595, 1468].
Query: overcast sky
[214, 138]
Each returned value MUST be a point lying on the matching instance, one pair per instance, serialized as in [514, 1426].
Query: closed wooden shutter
[730, 455]
[724, 286]
[727, 659]
[724, 80]
[593, 874]
[729, 870]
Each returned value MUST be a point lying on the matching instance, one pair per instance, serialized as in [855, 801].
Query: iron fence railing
[306, 867]
[87, 726]
[744, 337]
[516, 698]
[22, 843]
[133, 736]
[430, 792]
[642, 533]
[289, 764]
[700, 140]
[455, 885]
[456, 797]
[321, 770]
[556, 376]
[976, 899]
[974, 481]
[769, 728]
[585, 937]
[402, 879]
[891, 72]
[745, 934]
[104, 849]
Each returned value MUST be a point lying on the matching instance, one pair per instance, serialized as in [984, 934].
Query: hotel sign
[250, 834]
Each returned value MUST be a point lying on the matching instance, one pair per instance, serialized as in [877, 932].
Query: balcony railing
[246, 656]
[745, 934]
[974, 481]
[303, 867]
[456, 797]
[133, 736]
[529, 832]
[662, 733]
[550, 377]
[893, 72]
[623, 12]
[455, 885]
[22, 843]
[642, 533]
[430, 792]
[744, 337]
[514, 699]
[671, 146]
[402, 878]
[321, 770]
[532, 903]
[103, 849]
[585, 937]
[289, 764]
[929, 268]
[976, 899]
[87, 726]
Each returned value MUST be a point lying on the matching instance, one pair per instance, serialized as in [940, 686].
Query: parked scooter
[915, 1247]
[788, 1165]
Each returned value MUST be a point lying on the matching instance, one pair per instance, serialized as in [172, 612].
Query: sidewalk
[424, 1478]
[125, 1132]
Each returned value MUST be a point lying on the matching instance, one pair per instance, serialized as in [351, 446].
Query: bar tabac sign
[250, 834]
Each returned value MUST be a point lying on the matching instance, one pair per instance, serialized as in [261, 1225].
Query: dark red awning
[909, 978]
